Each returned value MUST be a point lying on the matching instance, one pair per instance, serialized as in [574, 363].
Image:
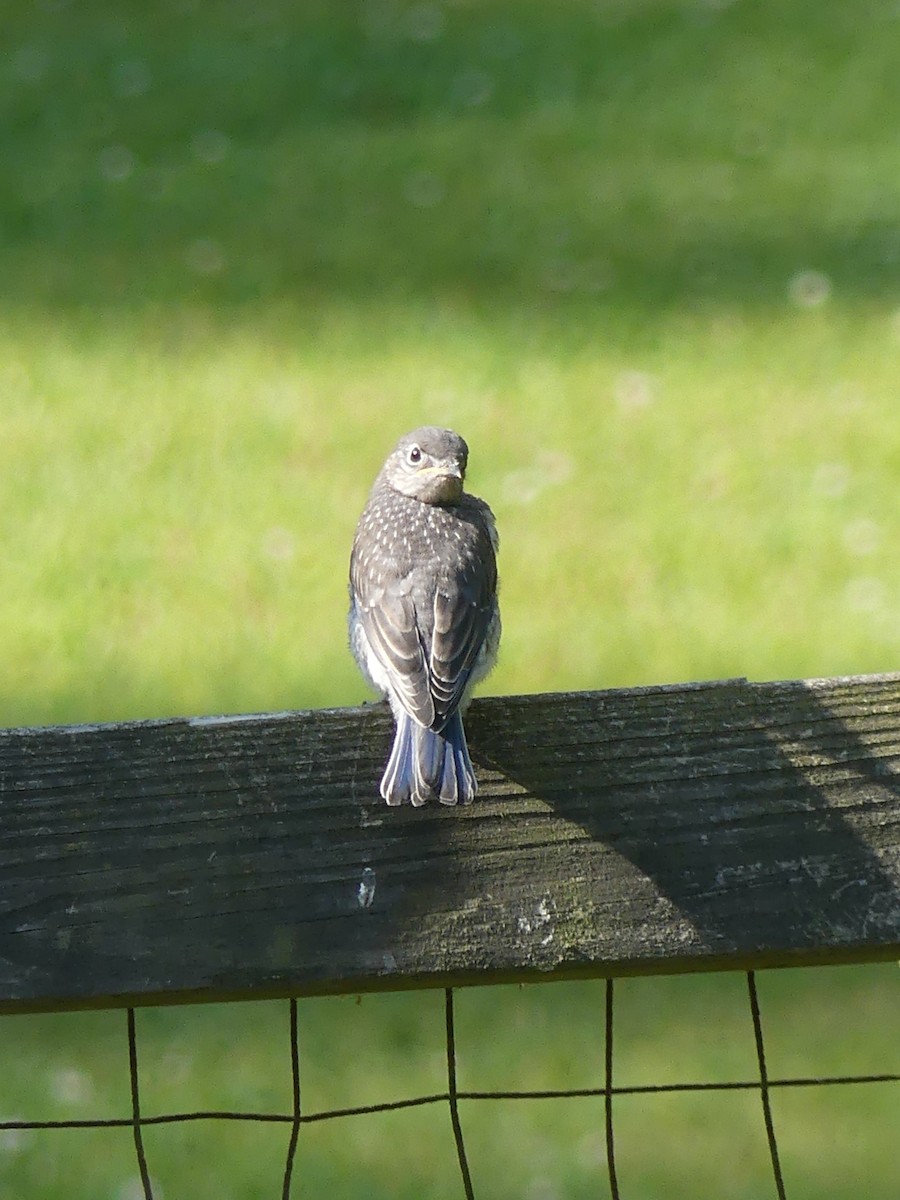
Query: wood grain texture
[662, 829]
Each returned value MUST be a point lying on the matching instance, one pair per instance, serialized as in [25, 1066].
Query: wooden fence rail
[704, 826]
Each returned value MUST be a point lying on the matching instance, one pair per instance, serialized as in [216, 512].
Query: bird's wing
[389, 622]
[463, 612]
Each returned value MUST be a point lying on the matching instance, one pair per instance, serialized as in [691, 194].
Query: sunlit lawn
[645, 257]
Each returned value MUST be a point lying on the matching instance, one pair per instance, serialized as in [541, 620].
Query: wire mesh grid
[763, 1084]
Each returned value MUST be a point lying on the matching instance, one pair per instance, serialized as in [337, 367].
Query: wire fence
[764, 1084]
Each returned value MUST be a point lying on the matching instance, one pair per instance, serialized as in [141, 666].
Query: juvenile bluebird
[424, 620]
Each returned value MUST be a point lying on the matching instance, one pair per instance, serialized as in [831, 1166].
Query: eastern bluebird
[424, 620]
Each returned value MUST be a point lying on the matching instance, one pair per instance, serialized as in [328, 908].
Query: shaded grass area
[654, 151]
[645, 256]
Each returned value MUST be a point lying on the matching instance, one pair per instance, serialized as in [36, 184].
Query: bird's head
[428, 464]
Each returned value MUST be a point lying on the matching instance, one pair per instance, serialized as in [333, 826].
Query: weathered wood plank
[683, 828]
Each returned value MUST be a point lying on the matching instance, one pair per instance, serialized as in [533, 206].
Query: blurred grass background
[644, 255]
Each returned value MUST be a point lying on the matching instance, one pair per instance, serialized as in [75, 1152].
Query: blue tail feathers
[425, 764]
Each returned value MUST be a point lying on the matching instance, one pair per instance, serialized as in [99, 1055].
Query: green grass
[645, 257]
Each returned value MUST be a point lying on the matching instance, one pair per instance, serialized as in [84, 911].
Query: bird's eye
[414, 455]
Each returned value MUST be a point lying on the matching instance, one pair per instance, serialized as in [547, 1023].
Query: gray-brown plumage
[424, 620]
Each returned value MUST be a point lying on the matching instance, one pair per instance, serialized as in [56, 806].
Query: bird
[424, 621]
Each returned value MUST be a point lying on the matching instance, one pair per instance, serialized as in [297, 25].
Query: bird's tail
[425, 763]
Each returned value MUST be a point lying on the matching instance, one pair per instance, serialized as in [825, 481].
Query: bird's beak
[444, 471]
